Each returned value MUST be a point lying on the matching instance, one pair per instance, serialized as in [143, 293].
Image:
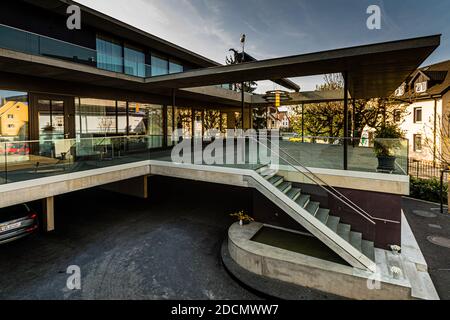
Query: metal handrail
[342, 198]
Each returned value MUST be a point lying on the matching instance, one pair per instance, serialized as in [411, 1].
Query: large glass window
[109, 54]
[160, 66]
[170, 126]
[183, 121]
[51, 119]
[175, 67]
[134, 61]
[13, 116]
[122, 121]
[212, 121]
[96, 117]
[147, 120]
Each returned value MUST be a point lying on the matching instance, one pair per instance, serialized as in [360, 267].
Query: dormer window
[400, 91]
[421, 87]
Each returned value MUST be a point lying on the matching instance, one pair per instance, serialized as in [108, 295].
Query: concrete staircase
[302, 204]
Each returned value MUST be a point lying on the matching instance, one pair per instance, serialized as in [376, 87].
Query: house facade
[426, 98]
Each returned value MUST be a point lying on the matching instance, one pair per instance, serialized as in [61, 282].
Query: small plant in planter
[387, 142]
[242, 217]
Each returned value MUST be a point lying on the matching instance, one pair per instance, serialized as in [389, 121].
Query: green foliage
[388, 139]
[428, 190]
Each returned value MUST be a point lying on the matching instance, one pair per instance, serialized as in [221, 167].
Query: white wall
[425, 128]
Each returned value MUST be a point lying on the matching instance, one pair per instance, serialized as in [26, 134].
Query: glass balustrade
[25, 160]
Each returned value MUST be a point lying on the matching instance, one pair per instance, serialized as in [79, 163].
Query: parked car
[17, 222]
[20, 149]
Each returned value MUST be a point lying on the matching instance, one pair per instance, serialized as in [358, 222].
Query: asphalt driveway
[167, 247]
[426, 221]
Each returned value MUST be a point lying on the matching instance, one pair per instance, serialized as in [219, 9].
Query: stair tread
[312, 207]
[322, 215]
[356, 240]
[368, 249]
[268, 173]
[275, 180]
[343, 231]
[303, 200]
[294, 193]
[333, 223]
[285, 186]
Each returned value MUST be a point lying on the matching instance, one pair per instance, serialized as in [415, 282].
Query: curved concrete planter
[311, 272]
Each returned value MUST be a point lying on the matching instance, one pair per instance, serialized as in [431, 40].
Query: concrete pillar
[49, 214]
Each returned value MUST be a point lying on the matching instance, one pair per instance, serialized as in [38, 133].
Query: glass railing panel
[65, 51]
[363, 155]
[27, 42]
[18, 40]
[388, 156]
[315, 152]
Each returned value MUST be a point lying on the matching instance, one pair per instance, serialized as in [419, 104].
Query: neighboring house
[426, 123]
[278, 121]
[284, 120]
[13, 119]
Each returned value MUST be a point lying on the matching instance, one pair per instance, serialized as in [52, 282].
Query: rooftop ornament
[277, 97]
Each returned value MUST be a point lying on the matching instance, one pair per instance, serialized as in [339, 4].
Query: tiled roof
[438, 72]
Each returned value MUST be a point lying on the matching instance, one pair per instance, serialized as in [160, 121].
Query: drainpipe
[435, 133]
[303, 123]
[345, 120]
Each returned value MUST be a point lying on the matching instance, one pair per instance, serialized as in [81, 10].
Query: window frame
[415, 137]
[416, 109]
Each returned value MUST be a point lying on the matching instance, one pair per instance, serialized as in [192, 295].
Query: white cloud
[181, 22]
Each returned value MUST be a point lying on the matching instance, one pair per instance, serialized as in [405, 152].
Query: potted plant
[242, 217]
[388, 141]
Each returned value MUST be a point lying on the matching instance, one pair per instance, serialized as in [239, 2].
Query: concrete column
[49, 214]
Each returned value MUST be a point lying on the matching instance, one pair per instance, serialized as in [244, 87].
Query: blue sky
[282, 27]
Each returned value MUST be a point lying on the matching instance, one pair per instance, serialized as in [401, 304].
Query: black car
[17, 222]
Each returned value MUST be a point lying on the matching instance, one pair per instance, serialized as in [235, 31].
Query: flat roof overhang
[26, 65]
[375, 70]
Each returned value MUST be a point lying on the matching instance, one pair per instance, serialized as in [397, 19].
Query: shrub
[388, 139]
[428, 190]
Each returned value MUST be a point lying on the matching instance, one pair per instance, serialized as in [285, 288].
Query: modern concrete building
[104, 101]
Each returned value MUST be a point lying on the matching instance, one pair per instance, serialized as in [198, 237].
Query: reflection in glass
[13, 116]
[147, 119]
[198, 124]
[170, 126]
[175, 67]
[212, 121]
[95, 117]
[160, 66]
[109, 54]
[122, 122]
[183, 121]
[134, 61]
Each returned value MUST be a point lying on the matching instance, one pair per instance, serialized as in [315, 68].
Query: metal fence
[425, 169]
